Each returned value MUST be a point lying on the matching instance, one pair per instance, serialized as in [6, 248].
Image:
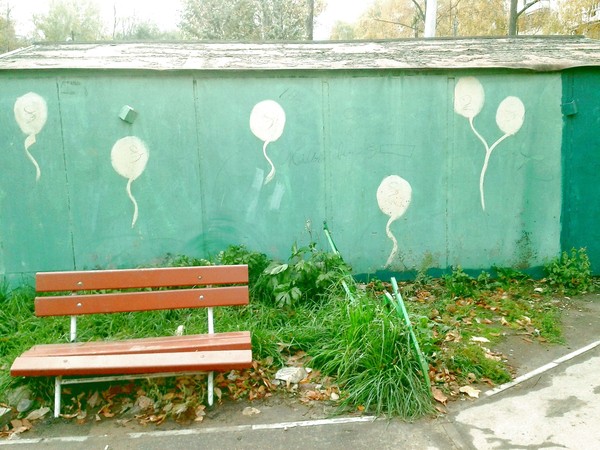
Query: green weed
[465, 359]
[571, 272]
[307, 277]
[459, 284]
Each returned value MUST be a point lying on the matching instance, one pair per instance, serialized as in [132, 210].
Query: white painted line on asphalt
[21, 441]
[313, 423]
[542, 369]
[265, 426]
[572, 355]
[226, 429]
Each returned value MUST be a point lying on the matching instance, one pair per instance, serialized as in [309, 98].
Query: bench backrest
[178, 287]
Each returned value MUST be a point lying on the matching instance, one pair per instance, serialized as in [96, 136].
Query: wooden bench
[181, 287]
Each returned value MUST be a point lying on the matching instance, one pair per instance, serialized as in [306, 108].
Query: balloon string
[272, 172]
[479, 136]
[488, 154]
[394, 252]
[29, 141]
[135, 205]
[495, 144]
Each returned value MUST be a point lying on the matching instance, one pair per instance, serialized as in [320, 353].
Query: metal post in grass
[336, 251]
[401, 308]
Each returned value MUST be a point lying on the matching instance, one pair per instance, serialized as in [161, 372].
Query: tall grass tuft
[368, 351]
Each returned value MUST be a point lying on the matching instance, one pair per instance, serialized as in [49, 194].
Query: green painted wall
[203, 187]
[581, 144]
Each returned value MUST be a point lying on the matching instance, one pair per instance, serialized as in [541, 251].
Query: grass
[298, 307]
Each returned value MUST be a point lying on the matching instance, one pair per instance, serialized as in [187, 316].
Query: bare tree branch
[527, 6]
[421, 12]
[394, 23]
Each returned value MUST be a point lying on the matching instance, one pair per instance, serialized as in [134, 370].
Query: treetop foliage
[269, 20]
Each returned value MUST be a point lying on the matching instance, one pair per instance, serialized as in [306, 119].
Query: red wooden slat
[140, 278]
[238, 340]
[140, 301]
[131, 364]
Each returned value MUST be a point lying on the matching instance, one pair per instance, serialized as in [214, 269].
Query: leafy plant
[459, 284]
[239, 254]
[571, 272]
[308, 277]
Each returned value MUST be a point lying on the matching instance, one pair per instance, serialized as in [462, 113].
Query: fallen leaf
[479, 339]
[250, 411]
[93, 400]
[144, 402]
[38, 413]
[180, 409]
[439, 396]
[218, 393]
[470, 391]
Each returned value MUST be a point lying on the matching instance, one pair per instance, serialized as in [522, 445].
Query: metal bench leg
[57, 389]
[211, 388]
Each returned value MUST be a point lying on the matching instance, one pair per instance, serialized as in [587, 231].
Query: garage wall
[394, 161]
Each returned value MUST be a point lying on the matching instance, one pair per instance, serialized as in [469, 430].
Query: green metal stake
[402, 311]
[335, 250]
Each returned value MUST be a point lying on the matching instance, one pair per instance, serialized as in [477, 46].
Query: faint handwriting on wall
[31, 113]
[267, 121]
[393, 196]
[469, 98]
[129, 156]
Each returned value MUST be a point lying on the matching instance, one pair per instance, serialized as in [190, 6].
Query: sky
[165, 13]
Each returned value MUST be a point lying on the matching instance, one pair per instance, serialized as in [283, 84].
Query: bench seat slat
[139, 363]
[140, 301]
[237, 340]
[140, 278]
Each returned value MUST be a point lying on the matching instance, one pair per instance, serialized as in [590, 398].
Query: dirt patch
[581, 326]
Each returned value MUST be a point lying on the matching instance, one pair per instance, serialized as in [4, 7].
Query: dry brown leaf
[93, 400]
[250, 411]
[106, 412]
[38, 413]
[144, 402]
[470, 391]
[439, 396]
[218, 393]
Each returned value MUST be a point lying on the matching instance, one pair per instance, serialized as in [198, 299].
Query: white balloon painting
[393, 196]
[267, 121]
[469, 98]
[31, 113]
[129, 156]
